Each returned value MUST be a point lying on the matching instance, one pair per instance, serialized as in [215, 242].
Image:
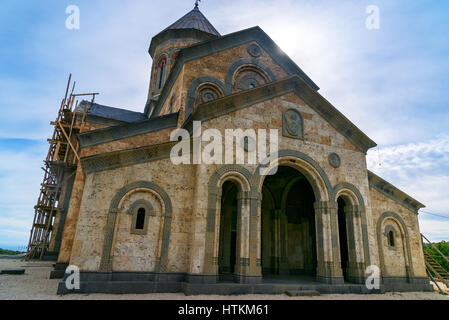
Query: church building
[314, 217]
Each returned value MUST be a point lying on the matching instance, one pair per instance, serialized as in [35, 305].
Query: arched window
[142, 211]
[208, 92]
[391, 238]
[161, 65]
[140, 219]
[250, 77]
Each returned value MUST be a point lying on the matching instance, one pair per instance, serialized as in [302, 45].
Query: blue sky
[393, 83]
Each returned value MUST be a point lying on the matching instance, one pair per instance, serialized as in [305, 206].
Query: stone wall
[395, 217]
[100, 189]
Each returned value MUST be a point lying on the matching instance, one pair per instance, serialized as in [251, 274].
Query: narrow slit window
[161, 64]
[391, 238]
[140, 219]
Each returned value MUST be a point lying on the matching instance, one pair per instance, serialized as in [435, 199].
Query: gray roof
[111, 113]
[194, 20]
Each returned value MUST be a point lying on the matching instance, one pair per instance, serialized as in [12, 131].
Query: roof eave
[271, 90]
[394, 193]
[170, 34]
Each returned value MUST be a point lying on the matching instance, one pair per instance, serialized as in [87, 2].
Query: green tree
[443, 246]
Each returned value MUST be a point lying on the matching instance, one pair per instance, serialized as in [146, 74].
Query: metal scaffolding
[63, 153]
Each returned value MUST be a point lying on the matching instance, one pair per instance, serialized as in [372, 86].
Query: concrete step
[13, 271]
[302, 293]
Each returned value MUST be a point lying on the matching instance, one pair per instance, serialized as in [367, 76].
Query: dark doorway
[228, 231]
[344, 254]
[288, 226]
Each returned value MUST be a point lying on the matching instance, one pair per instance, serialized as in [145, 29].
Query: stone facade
[239, 81]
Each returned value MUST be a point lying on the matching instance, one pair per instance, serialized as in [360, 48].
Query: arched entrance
[343, 237]
[288, 246]
[227, 250]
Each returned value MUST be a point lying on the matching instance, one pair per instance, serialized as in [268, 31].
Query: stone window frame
[388, 230]
[208, 88]
[193, 91]
[246, 65]
[247, 73]
[161, 71]
[149, 212]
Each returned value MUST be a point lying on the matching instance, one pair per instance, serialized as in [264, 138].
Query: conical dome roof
[192, 25]
[194, 20]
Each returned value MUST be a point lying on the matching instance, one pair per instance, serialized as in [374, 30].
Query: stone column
[72, 217]
[58, 226]
[70, 224]
[248, 268]
[203, 262]
[242, 254]
[356, 266]
[328, 249]
[255, 237]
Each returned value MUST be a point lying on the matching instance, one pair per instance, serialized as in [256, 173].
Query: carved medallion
[292, 124]
[334, 160]
[254, 50]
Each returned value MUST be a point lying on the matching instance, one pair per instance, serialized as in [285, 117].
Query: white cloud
[20, 178]
[434, 230]
[420, 169]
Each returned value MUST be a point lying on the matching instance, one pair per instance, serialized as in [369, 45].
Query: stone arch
[357, 207]
[140, 203]
[106, 261]
[257, 67]
[316, 176]
[350, 191]
[241, 177]
[192, 94]
[405, 240]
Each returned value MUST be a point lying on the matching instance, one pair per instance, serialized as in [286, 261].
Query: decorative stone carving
[293, 124]
[334, 160]
[254, 50]
[208, 96]
[249, 81]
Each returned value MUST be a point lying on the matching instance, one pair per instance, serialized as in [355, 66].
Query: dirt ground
[35, 285]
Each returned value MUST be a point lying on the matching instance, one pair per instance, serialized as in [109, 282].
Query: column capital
[325, 206]
[250, 195]
[353, 210]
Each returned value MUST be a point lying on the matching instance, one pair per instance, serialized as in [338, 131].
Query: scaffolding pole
[63, 153]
